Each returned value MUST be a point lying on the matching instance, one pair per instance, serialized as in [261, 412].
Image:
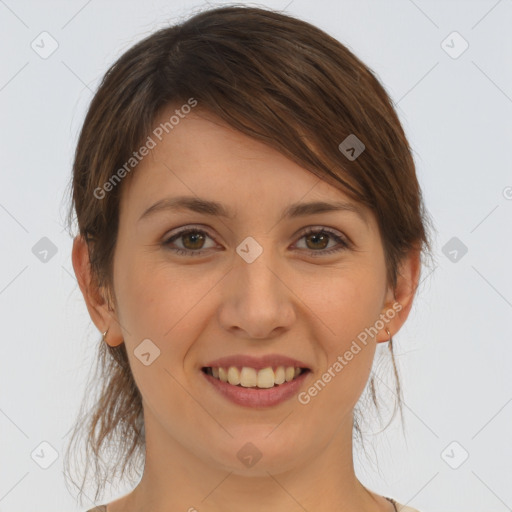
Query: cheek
[347, 302]
[348, 306]
[163, 305]
[156, 304]
[354, 305]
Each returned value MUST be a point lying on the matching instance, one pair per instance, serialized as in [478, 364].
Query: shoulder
[399, 507]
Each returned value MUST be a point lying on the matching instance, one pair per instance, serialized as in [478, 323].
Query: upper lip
[258, 363]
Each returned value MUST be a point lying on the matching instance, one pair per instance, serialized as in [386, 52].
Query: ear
[399, 300]
[101, 314]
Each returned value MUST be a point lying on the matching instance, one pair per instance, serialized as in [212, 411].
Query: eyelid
[185, 229]
[301, 232]
[331, 231]
[340, 237]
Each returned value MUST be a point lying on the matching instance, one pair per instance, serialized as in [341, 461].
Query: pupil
[197, 237]
[320, 236]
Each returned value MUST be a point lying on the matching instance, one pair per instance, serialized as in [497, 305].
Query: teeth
[279, 375]
[249, 377]
[234, 376]
[223, 375]
[266, 378]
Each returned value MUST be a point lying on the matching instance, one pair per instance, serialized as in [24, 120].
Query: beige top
[398, 507]
[403, 508]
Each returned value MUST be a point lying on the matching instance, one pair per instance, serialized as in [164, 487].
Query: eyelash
[310, 231]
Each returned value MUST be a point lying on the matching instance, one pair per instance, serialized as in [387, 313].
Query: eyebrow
[214, 208]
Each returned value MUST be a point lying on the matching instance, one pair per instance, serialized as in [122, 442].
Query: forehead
[202, 155]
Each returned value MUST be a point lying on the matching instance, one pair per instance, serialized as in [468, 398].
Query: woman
[250, 228]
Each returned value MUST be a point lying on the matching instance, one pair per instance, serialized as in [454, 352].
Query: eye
[193, 239]
[320, 237]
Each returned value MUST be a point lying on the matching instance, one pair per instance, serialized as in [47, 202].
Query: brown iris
[324, 237]
[196, 238]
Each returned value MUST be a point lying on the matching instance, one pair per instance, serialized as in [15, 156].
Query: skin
[199, 308]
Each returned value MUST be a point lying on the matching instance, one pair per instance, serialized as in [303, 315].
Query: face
[255, 283]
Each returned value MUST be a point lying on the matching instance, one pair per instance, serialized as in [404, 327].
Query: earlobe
[400, 299]
[109, 341]
[98, 307]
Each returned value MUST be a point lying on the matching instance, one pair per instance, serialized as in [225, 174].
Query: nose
[257, 300]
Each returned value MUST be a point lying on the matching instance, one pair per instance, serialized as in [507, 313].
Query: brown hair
[275, 78]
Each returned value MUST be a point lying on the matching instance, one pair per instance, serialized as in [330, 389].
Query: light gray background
[455, 351]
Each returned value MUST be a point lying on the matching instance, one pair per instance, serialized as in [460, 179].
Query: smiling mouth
[251, 378]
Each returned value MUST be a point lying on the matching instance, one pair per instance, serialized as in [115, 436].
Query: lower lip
[256, 397]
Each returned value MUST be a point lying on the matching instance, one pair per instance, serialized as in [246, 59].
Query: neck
[178, 478]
